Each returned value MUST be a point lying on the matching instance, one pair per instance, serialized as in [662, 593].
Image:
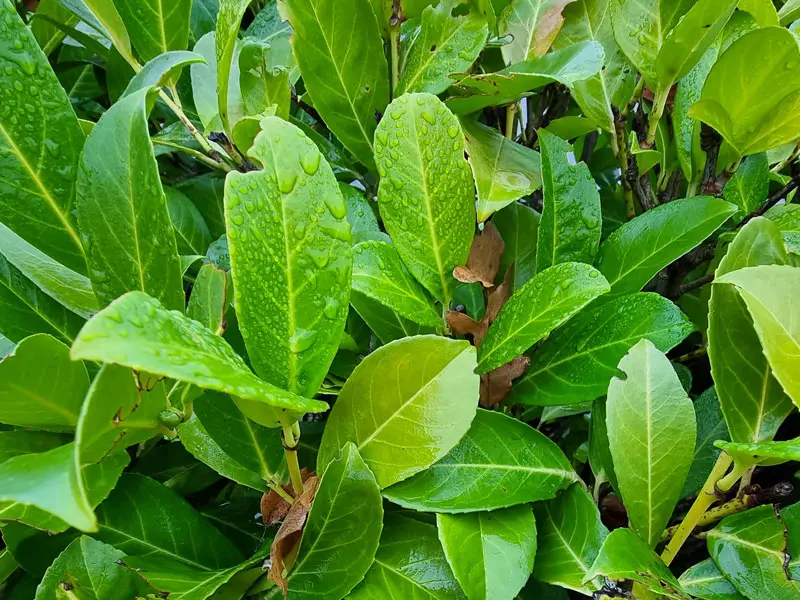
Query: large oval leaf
[41, 142]
[123, 212]
[425, 405]
[538, 307]
[649, 416]
[481, 473]
[156, 26]
[426, 192]
[634, 253]
[289, 220]
[577, 361]
[491, 553]
[343, 67]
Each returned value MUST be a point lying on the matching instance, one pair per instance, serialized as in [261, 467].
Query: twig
[700, 352]
[710, 142]
[511, 111]
[697, 283]
[589, 143]
[781, 194]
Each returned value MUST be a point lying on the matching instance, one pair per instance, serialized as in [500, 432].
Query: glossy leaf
[431, 383]
[331, 52]
[292, 321]
[649, 416]
[634, 253]
[445, 44]
[209, 300]
[537, 308]
[137, 332]
[570, 225]
[386, 324]
[106, 19]
[427, 205]
[37, 194]
[570, 537]
[360, 215]
[752, 400]
[533, 25]
[503, 171]
[704, 580]
[40, 386]
[525, 467]
[156, 26]
[19, 442]
[264, 81]
[191, 232]
[756, 452]
[228, 21]
[123, 212]
[749, 187]
[161, 69]
[205, 84]
[410, 563]
[491, 553]
[518, 226]
[764, 290]
[575, 363]
[711, 427]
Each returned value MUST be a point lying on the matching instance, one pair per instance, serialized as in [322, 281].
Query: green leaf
[117, 413]
[599, 453]
[209, 300]
[750, 120]
[444, 44]
[491, 553]
[263, 80]
[710, 428]
[254, 447]
[525, 467]
[386, 324]
[343, 66]
[764, 290]
[91, 569]
[570, 537]
[533, 25]
[270, 27]
[570, 225]
[758, 452]
[428, 384]
[141, 517]
[503, 171]
[156, 26]
[47, 22]
[342, 533]
[191, 232]
[518, 226]
[228, 22]
[134, 250]
[23, 441]
[789, 12]
[790, 516]
[749, 187]
[410, 563]
[110, 24]
[203, 18]
[427, 205]
[634, 253]
[751, 398]
[624, 556]
[161, 69]
[137, 332]
[749, 549]
[575, 363]
[379, 274]
[205, 83]
[649, 417]
[704, 580]
[40, 386]
[293, 320]
[537, 308]
[360, 215]
[574, 63]
[37, 193]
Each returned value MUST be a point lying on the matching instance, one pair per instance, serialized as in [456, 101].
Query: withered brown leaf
[496, 384]
[484, 258]
[273, 507]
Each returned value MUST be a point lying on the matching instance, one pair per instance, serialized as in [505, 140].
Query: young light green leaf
[634, 253]
[764, 290]
[427, 205]
[526, 467]
[162, 69]
[750, 550]
[649, 416]
[566, 66]
[410, 563]
[537, 308]
[205, 83]
[491, 553]
[750, 397]
[342, 532]
[385, 323]
[758, 452]
[228, 22]
[710, 428]
[289, 219]
[107, 20]
[445, 43]
[156, 26]
[209, 300]
[704, 580]
[343, 66]
[570, 537]
[570, 225]
[430, 383]
[40, 386]
[575, 363]
[37, 194]
[91, 569]
[137, 332]
[263, 80]
[122, 209]
[518, 226]
[379, 274]
[533, 25]
[141, 517]
[503, 171]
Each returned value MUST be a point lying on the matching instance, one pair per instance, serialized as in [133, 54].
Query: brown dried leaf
[484, 258]
[290, 532]
[273, 507]
[464, 324]
[496, 384]
[548, 26]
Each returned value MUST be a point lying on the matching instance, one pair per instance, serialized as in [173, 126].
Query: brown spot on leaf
[484, 258]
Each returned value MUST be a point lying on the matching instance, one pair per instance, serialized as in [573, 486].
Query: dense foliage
[372, 299]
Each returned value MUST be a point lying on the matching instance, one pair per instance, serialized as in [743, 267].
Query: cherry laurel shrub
[399, 299]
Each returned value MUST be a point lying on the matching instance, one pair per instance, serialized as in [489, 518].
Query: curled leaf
[484, 258]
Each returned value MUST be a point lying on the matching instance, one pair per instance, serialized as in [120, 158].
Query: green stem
[717, 513]
[276, 487]
[394, 37]
[290, 449]
[659, 102]
[788, 160]
[511, 111]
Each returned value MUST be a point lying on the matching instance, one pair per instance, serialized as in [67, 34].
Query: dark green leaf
[710, 428]
[518, 226]
[360, 215]
[207, 193]
[156, 26]
[23, 441]
[704, 580]
[386, 324]
[191, 232]
[749, 187]
[209, 300]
